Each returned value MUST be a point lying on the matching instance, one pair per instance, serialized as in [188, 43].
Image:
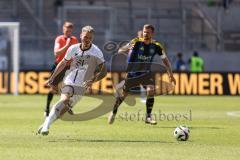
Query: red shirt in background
[60, 42]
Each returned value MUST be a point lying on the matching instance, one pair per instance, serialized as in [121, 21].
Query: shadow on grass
[206, 128]
[194, 127]
[107, 141]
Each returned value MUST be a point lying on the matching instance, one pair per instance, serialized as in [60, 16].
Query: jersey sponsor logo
[80, 62]
[144, 58]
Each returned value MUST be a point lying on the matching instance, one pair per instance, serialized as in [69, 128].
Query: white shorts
[73, 90]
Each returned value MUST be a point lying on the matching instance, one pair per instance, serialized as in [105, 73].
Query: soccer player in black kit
[142, 52]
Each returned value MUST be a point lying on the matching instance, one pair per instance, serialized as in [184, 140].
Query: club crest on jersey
[152, 51]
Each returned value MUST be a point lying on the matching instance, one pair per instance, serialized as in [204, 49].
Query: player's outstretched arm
[97, 76]
[169, 69]
[124, 49]
[101, 73]
[61, 65]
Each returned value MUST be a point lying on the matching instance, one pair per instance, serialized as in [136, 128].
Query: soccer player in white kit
[85, 57]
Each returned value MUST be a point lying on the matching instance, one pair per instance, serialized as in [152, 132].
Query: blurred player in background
[196, 63]
[62, 43]
[180, 63]
[142, 52]
[85, 58]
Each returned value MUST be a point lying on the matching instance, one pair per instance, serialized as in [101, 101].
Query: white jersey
[83, 65]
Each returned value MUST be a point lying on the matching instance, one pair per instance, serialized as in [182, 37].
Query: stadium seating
[119, 20]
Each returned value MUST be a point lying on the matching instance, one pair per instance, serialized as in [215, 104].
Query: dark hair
[149, 26]
[179, 55]
[195, 53]
[68, 24]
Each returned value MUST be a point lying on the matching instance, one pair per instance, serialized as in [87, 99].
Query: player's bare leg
[119, 87]
[149, 105]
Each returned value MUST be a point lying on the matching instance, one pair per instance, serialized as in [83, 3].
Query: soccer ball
[181, 133]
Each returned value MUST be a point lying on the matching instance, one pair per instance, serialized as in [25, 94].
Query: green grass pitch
[215, 133]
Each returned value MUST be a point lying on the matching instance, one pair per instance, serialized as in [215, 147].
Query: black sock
[117, 104]
[149, 105]
[49, 99]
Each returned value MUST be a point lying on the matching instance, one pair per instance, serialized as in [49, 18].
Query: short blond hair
[88, 29]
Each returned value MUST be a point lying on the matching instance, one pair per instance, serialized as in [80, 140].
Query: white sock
[50, 119]
[53, 115]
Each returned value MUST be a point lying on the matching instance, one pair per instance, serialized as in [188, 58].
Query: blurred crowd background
[192, 31]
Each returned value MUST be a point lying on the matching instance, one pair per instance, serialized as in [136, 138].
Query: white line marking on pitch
[234, 114]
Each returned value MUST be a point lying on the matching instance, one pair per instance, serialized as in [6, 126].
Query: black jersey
[141, 56]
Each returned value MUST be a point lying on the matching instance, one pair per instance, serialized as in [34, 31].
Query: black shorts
[61, 75]
[133, 82]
